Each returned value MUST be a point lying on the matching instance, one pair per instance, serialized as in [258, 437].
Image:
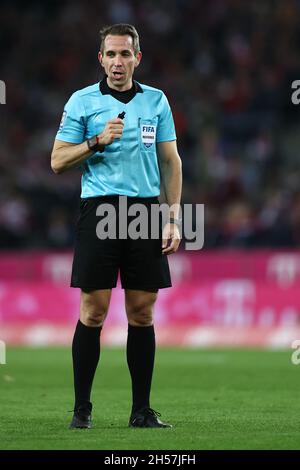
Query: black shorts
[97, 261]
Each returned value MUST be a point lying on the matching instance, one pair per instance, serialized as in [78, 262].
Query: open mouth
[117, 74]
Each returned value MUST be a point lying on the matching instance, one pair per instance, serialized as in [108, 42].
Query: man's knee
[93, 316]
[139, 309]
[93, 308]
[140, 317]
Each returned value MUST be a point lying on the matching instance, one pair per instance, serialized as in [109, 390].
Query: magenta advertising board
[218, 299]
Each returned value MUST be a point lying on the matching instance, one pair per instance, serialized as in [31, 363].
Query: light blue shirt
[128, 166]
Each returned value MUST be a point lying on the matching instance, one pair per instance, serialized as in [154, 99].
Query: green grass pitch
[216, 399]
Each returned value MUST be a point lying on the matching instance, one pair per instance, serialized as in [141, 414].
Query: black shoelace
[153, 412]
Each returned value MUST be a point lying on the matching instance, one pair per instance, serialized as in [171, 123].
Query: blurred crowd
[226, 66]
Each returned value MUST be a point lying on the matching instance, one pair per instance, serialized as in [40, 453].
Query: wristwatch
[175, 221]
[93, 144]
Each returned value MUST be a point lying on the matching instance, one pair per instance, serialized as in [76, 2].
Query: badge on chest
[148, 134]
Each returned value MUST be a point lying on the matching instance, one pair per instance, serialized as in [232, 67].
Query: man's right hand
[113, 130]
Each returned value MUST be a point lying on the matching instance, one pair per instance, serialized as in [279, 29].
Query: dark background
[226, 66]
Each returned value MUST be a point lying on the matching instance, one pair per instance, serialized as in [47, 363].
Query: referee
[121, 133]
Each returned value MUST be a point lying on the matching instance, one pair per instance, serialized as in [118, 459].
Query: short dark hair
[120, 29]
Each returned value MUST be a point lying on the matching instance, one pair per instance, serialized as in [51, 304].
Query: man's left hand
[170, 239]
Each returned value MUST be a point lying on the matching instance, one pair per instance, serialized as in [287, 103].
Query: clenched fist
[113, 130]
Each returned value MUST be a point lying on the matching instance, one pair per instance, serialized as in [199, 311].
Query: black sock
[140, 360]
[86, 353]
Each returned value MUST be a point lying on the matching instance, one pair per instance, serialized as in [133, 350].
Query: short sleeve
[72, 125]
[166, 128]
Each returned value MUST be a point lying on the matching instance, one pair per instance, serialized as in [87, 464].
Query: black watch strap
[175, 221]
[94, 145]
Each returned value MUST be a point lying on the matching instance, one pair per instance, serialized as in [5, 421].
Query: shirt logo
[63, 118]
[148, 135]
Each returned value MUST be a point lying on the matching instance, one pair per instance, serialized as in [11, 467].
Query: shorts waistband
[115, 199]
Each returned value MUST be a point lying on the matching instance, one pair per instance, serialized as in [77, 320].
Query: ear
[138, 59]
[100, 56]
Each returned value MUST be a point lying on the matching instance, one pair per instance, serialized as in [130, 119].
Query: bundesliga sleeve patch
[63, 118]
[148, 134]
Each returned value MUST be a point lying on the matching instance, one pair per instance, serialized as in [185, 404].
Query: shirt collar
[105, 90]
